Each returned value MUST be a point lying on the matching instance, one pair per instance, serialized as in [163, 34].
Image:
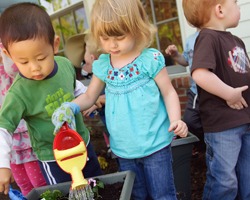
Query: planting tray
[182, 154]
[127, 177]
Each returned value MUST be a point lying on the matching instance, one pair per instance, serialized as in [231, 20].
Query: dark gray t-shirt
[225, 55]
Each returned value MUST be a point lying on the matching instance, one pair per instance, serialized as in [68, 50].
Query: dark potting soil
[111, 191]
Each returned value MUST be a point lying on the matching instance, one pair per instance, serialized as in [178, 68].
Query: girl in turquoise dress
[142, 107]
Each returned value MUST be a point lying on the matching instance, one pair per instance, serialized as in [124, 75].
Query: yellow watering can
[71, 155]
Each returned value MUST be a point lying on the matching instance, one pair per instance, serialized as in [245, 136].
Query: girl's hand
[5, 179]
[100, 101]
[237, 101]
[179, 128]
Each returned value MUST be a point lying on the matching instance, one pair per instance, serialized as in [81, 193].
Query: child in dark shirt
[221, 70]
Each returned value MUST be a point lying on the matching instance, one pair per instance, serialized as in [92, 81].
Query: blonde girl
[142, 107]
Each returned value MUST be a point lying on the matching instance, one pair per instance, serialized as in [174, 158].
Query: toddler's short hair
[120, 17]
[198, 12]
[24, 21]
[92, 45]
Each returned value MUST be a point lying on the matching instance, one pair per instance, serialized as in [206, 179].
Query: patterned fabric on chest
[128, 72]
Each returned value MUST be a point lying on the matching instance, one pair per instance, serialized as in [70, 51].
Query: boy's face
[34, 58]
[231, 10]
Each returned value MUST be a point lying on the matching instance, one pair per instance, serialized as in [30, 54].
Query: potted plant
[125, 177]
[182, 153]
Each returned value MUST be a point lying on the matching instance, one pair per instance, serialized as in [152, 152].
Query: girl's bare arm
[89, 98]
[172, 103]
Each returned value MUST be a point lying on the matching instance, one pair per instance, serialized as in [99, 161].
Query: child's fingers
[4, 188]
[98, 104]
[182, 132]
[1, 189]
[176, 126]
[170, 49]
[239, 105]
[244, 103]
[5, 179]
[180, 128]
[172, 127]
[7, 188]
[243, 88]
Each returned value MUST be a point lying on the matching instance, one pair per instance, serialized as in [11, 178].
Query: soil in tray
[111, 191]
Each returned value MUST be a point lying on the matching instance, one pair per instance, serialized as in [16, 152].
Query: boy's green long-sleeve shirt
[35, 101]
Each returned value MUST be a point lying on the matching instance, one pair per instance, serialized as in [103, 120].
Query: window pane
[57, 5]
[68, 26]
[169, 33]
[165, 9]
[73, 1]
[81, 20]
[166, 20]
[147, 7]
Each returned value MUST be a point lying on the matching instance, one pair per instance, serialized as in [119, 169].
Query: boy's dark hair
[24, 21]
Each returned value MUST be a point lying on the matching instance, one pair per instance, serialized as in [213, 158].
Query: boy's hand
[179, 128]
[237, 101]
[65, 113]
[5, 179]
[171, 50]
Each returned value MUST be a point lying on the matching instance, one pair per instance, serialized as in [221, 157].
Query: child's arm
[172, 103]
[172, 51]
[212, 84]
[5, 173]
[88, 99]
[66, 112]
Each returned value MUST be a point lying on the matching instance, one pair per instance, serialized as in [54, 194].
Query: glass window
[69, 21]
[80, 17]
[68, 27]
[169, 33]
[163, 13]
[165, 9]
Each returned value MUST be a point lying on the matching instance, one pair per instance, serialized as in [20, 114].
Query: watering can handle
[64, 127]
[77, 150]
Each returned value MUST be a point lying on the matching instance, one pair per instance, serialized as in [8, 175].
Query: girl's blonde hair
[198, 12]
[120, 17]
